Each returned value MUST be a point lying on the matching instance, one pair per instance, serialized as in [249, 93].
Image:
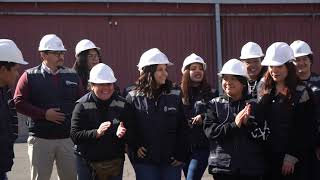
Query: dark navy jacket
[197, 138]
[232, 149]
[49, 91]
[8, 129]
[87, 116]
[314, 83]
[292, 123]
[159, 126]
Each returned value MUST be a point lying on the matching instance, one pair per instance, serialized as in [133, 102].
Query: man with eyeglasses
[47, 93]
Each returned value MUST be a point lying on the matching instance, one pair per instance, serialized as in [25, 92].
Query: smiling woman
[98, 125]
[157, 135]
[228, 123]
[289, 110]
[194, 88]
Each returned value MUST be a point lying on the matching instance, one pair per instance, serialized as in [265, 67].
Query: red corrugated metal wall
[122, 38]
[280, 23]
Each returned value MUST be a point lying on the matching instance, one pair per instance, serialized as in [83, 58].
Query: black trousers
[274, 168]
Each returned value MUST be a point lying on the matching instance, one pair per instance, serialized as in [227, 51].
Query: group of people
[263, 126]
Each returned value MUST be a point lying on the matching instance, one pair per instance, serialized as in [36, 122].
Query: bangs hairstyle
[186, 85]
[147, 84]
[7, 65]
[290, 81]
[81, 66]
[243, 81]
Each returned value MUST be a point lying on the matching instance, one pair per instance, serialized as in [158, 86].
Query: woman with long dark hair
[195, 88]
[158, 130]
[288, 106]
[87, 55]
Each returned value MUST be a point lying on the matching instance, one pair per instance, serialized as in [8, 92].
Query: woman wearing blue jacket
[157, 133]
[234, 129]
[194, 87]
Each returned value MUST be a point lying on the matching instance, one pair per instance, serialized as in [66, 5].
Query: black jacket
[159, 126]
[8, 129]
[197, 138]
[87, 116]
[292, 122]
[232, 149]
[314, 84]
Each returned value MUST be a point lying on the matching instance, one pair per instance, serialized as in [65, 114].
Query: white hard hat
[300, 48]
[51, 42]
[193, 58]
[278, 54]
[251, 50]
[9, 52]
[153, 56]
[83, 45]
[101, 73]
[234, 67]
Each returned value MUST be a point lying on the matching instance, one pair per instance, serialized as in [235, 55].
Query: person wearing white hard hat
[87, 55]
[47, 93]
[232, 127]
[251, 56]
[158, 135]
[10, 60]
[289, 111]
[194, 87]
[98, 125]
[303, 62]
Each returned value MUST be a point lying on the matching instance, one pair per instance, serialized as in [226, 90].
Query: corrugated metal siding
[177, 36]
[265, 30]
[122, 39]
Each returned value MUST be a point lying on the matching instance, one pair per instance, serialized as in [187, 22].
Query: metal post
[218, 42]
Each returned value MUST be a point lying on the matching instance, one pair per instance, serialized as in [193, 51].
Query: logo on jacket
[165, 109]
[71, 83]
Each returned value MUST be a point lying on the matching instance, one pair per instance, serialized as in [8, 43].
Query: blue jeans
[3, 176]
[194, 169]
[157, 172]
[84, 171]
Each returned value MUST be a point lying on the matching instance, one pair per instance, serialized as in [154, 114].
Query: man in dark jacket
[47, 94]
[303, 62]
[10, 58]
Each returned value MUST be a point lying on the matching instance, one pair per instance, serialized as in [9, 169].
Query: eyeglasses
[57, 53]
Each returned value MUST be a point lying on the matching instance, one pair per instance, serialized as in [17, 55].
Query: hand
[243, 115]
[318, 153]
[103, 128]
[287, 168]
[54, 115]
[121, 131]
[175, 162]
[196, 120]
[247, 114]
[142, 152]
